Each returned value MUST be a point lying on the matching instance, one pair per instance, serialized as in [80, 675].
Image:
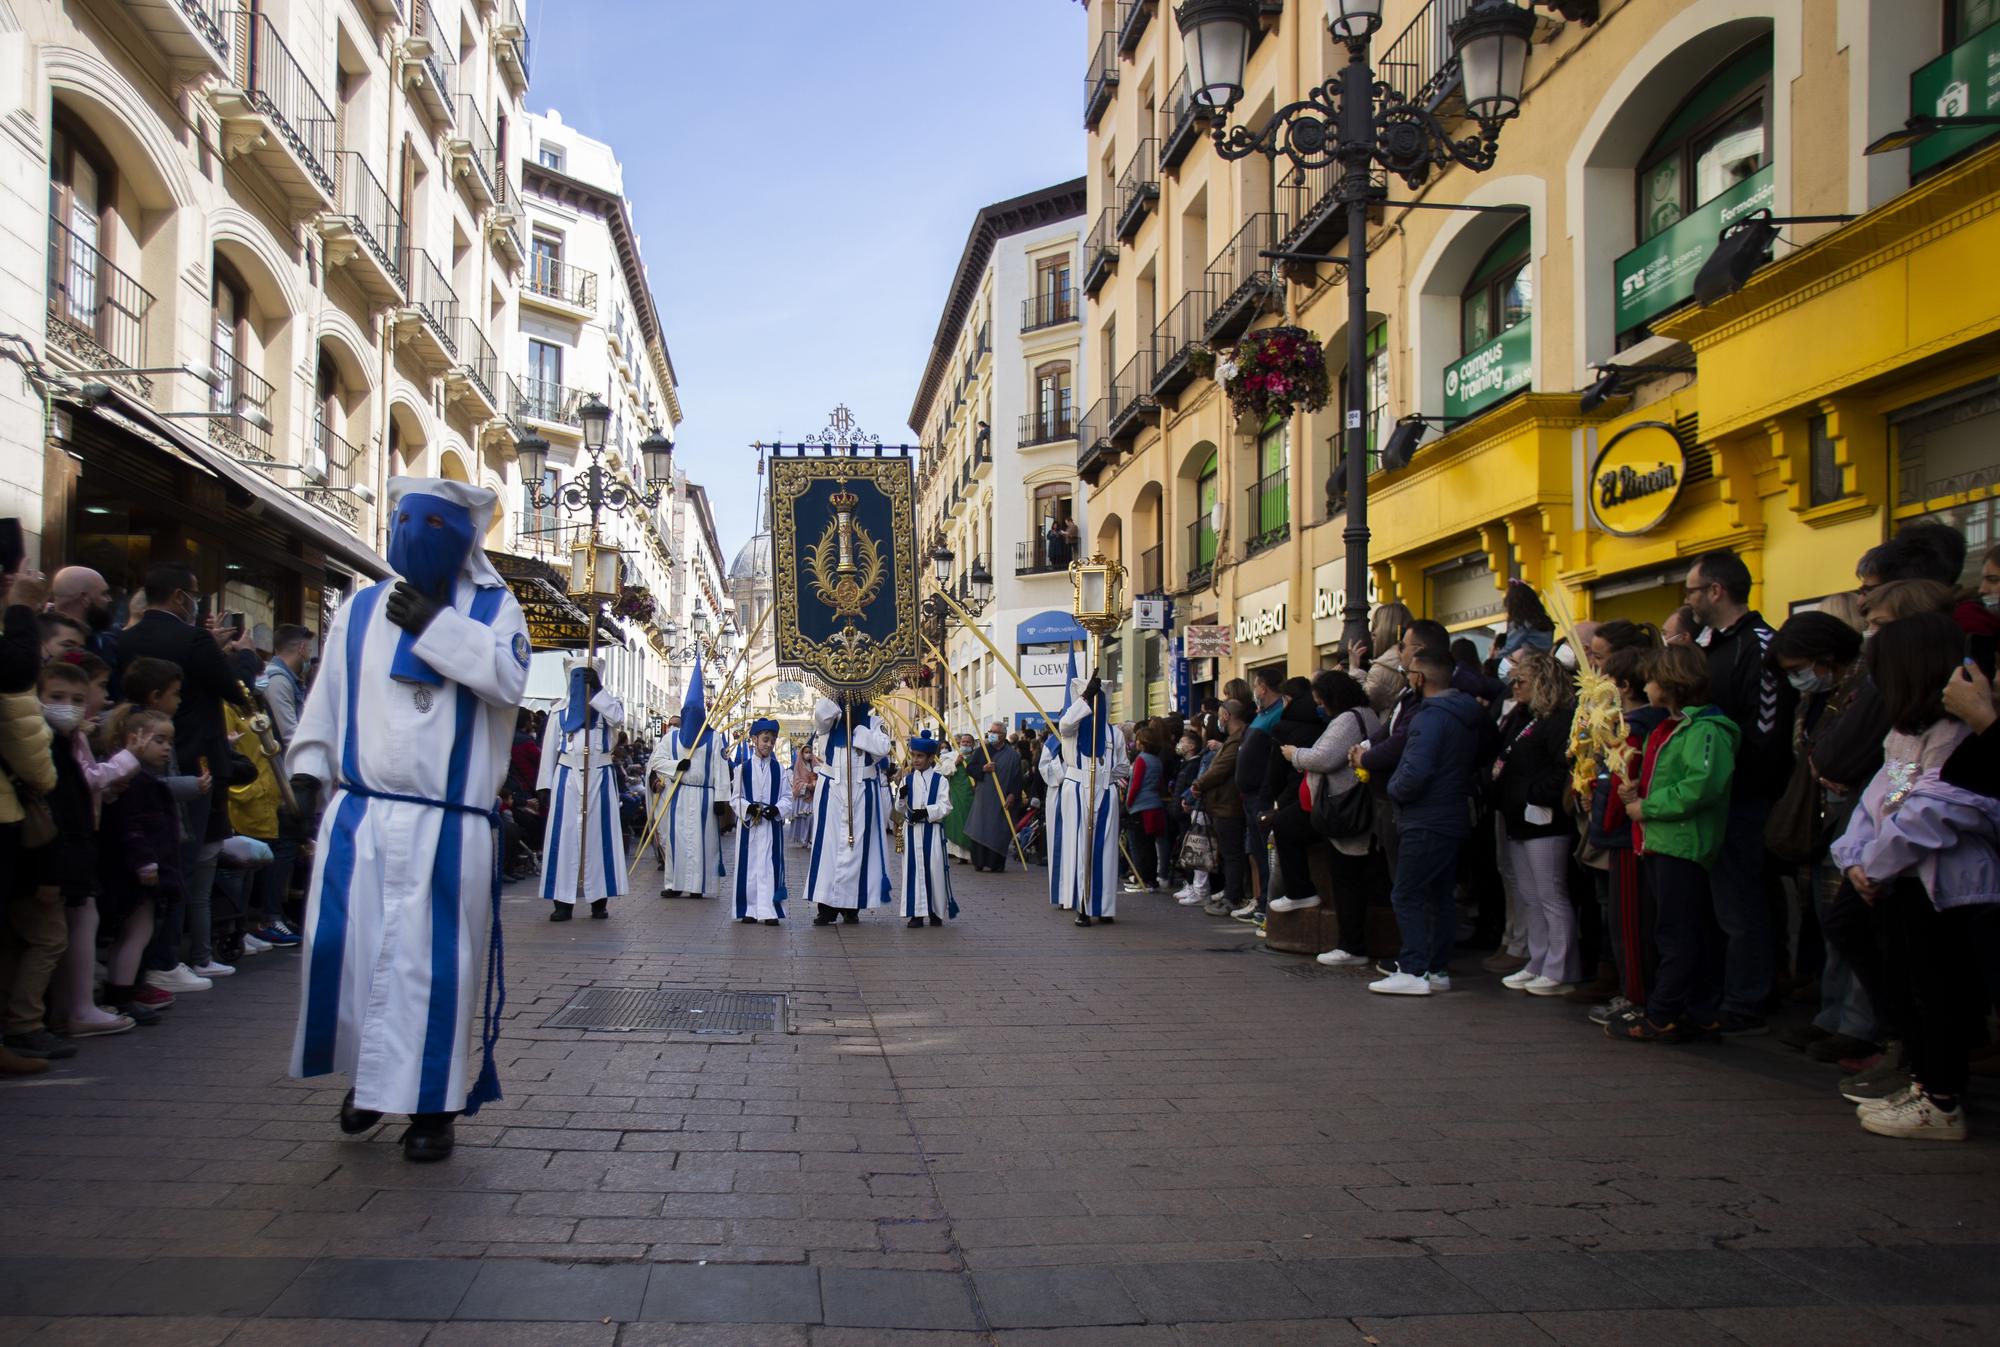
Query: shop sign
[1463, 591]
[1498, 369]
[1150, 614]
[1964, 82]
[1330, 601]
[1183, 692]
[1209, 642]
[1262, 615]
[1044, 671]
[1637, 478]
[1660, 272]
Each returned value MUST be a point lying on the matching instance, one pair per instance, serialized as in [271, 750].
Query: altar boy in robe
[849, 867]
[763, 801]
[1086, 884]
[589, 718]
[924, 796]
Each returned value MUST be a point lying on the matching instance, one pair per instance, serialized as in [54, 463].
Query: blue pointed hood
[694, 707]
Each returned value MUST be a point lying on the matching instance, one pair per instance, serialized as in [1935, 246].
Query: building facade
[1845, 387]
[259, 259]
[997, 413]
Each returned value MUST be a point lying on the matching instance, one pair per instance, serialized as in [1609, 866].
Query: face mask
[1992, 601]
[1506, 667]
[62, 718]
[1809, 680]
[428, 557]
[992, 738]
[98, 618]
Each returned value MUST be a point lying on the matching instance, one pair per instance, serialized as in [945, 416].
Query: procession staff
[578, 772]
[926, 803]
[1005, 812]
[692, 827]
[410, 723]
[849, 867]
[764, 805]
[1092, 763]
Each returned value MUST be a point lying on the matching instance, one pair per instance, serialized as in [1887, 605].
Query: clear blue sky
[803, 174]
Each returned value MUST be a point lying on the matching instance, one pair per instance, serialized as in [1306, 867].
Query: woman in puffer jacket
[25, 759]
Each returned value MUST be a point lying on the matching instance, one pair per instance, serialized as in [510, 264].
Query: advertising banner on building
[1964, 82]
[1210, 642]
[1044, 671]
[1660, 272]
[1150, 614]
[1500, 368]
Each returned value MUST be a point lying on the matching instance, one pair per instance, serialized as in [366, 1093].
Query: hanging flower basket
[1274, 372]
[633, 604]
[1201, 361]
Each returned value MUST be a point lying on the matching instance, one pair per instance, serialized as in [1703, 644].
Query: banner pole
[1005, 812]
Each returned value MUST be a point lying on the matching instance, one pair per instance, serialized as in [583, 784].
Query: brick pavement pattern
[1005, 1131]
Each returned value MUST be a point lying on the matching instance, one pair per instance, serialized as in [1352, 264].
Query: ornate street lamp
[1097, 601]
[1360, 124]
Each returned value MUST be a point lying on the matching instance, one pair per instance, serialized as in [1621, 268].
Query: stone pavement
[1008, 1131]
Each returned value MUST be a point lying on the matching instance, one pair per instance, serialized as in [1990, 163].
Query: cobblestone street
[1007, 1131]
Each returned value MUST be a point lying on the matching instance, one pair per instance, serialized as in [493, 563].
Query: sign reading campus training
[1637, 478]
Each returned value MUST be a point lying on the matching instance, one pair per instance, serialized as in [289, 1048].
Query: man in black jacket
[1744, 686]
[1253, 767]
[168, 632]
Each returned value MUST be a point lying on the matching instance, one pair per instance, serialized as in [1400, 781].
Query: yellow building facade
[1850, 383]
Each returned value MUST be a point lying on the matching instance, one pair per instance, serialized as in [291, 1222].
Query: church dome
[753, 562]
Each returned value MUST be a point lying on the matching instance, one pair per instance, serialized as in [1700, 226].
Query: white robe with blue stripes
[760, 844]
[926, 873]
[688, 834]
[562, 777]
[846, 873]
[400, 909]
[1072, 881]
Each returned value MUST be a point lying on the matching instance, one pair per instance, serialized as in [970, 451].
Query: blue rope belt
[486, 1087]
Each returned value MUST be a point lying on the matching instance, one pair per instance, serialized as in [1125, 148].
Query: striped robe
[926, 873]
[562, 777]
[841, 873]
[400, 909]
[1071, 879]
[688, 833]
[760, 846]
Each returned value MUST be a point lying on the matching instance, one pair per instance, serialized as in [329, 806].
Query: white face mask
[62, 718]
[1506, 667]
[1992, 601]
[1809, 680]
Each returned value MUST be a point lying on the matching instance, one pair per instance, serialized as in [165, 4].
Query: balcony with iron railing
[194, 34]
[1094, 450]
[426, 322]
[1183, 122]
[97, 313]
[510, 45]
[1268, 513]
[1050, 308]
[1203, 546]
[1100, 81]
[1036, 557]
[1132, 402]
[558, 284]
[271, 111]
[1421, 64]
[1100, 253]
[330, 461]
[1048, 425]
[474, 158]
[547, 535]
[507, 222]
[1177, 342]
[1133, 18]
[239, 404]
[549, 403]
[430, 66]
[1149, 578]
[1138, 189]
[364, 232]
[1240, 278]
[475, 379]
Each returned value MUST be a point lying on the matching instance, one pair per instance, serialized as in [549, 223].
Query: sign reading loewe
[1637, 478]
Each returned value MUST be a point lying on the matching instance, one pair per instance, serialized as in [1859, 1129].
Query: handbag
[1349, 814]
[1198, 848]
[1792, 831]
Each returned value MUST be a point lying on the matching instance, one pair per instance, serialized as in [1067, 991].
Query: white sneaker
[1885, 1103]
[179, 978]
[1181, 894]
[1440, 982]
[1549, 987]
[1402, 984]
[1191, 899]
[1913, 1115]
[1340, 958]
[252, 945]
[1248, 909]
[1518, 979]
[215, 969]
[1131, 888]
[1294, 904]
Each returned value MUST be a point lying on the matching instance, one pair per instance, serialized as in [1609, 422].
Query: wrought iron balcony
[330, 461]
[429, 66]
[1094, 450]
[1048, 309]
[1100, 81]
[1268, 515]
[506, 224]
[271, 111]
[475, 379]
[240, 405]
[1183, 122]
[1176, 341]
[1150, 577]
[1051, 425]
[510, 45]
[97, 313]
[1133, 18]
[1201, 549]
[1421, 64]
[1032, 558]
[554, 281]
[364, 233]
[430, 311]
[194, 33]
[1100, 254]
[1240, 278]
[1132, 402]
[475, 161]
[550, 403]
[1138, 189]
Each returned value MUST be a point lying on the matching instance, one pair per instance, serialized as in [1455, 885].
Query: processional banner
[844, 561]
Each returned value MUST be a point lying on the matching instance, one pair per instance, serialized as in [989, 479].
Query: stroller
[1028, 834]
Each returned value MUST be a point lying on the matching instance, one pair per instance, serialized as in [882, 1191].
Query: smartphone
[201, 612]
[1980, 648]
[13, 551]
[233, 622]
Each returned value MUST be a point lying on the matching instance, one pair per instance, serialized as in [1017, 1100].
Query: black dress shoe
[429, 1138]
[354, 1121]
[669, 893]
[915, 923]
[598, 911]
[851, 916]
[936, 920]
[825, 917]
[1108, 920]
[748, 921]
[560, 912]
[771, 921]
[1083, 919]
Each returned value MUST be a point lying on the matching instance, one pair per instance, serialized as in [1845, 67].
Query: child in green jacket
[1679, 808]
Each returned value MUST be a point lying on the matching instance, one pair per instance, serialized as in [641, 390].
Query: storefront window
[1963, 18]
[1720, 136]
[1948, 468]
[1828, 480]
[1500, 294]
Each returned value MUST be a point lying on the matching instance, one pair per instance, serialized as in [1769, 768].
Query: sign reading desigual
[1501, 367]
[1637, 478]
[1660, 272]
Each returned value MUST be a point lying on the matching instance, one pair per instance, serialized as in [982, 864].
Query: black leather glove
[303, 787]
[1095, 686]
[410, 608]
[684, 766]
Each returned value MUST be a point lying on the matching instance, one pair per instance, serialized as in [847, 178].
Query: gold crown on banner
[843, 499]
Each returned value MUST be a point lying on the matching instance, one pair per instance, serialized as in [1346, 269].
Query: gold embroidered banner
[844, 563]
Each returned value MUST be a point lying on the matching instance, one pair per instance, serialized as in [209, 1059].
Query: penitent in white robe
[926, 872]
[562, 777]
[1072, 878]
[760, 845]
[849, 866]
[690, 842]
[400, 912]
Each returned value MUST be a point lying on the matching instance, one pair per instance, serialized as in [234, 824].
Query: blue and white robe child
[562, 776]
[1073, 879]
[690, 841]
[400, 910]
[760, 844]
[926, 870]
[843, 873]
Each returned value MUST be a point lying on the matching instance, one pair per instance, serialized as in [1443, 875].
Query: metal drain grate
[682, 1009]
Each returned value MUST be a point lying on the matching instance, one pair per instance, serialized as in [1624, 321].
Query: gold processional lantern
[1098, 594]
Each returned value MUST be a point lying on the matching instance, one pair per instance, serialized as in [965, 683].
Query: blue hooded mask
[576, 710]
[430, 556]
[694, 709]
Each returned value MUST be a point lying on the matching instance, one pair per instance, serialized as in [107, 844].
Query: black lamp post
[1360, 123]
[937, 611]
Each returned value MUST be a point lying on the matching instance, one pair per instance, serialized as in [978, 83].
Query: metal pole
[1090, 805]
[1357, 137]
[589, 663]
[847, 768]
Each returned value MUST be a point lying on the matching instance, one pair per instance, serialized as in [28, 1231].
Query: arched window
[1201, 533]
[1719, 136]
[1055, 526]
[1054, 398]
[80, 195]
[1269, 520]
[1501, 292]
